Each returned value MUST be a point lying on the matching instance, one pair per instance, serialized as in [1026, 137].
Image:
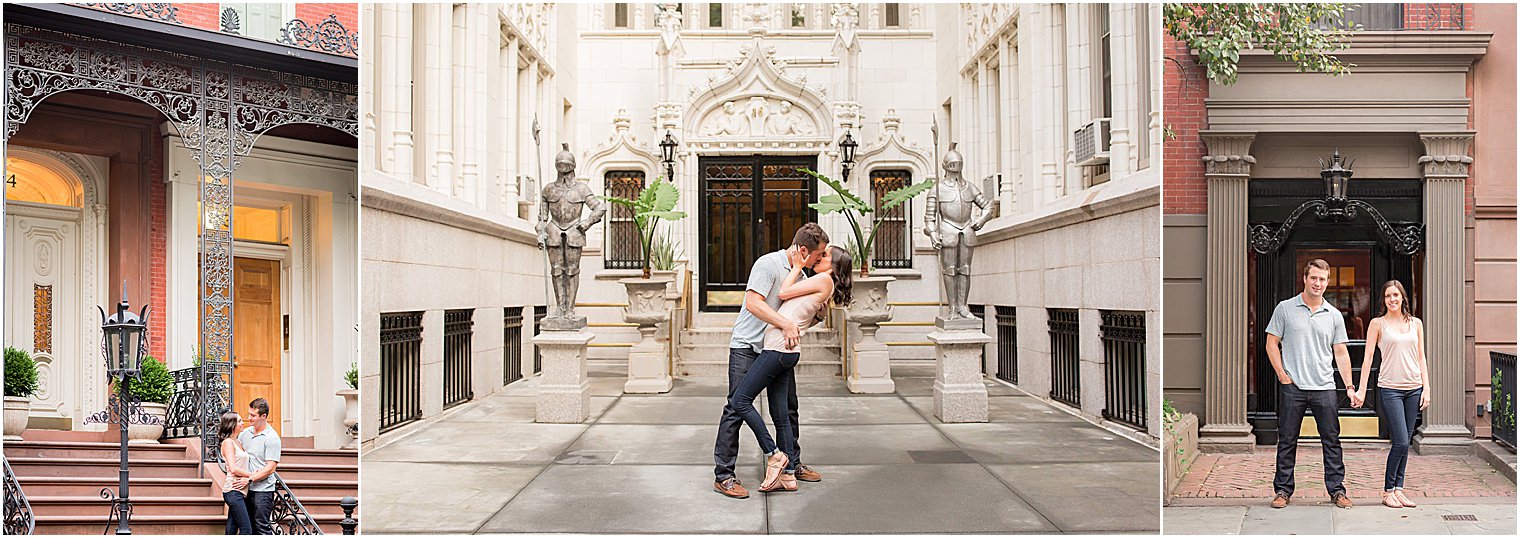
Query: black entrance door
[751, 205]
[1360, 262]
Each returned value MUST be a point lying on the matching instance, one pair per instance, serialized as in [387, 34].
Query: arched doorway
[54, 214]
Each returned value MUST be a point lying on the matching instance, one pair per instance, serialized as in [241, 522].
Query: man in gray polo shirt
[262, 443]
[762, 297]
[1306, 343]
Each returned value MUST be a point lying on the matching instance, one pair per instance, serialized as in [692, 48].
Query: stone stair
[62, 473]
[703, 349]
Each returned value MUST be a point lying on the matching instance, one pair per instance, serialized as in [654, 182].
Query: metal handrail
[18, 511]
[286, 507]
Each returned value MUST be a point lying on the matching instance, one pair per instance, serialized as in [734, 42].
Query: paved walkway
[1229, 494]
[1249, 476]
[643, 464]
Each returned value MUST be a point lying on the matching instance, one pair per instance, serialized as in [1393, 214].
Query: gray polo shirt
[1308, 338]
[262, 447]
[764, 278]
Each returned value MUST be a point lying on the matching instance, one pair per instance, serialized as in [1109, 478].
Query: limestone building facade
[750, 94]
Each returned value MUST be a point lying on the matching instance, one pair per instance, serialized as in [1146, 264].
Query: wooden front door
[256, 335]
[752, 205]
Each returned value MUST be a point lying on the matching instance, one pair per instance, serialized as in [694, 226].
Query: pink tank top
[802, 310]
[1401, 358]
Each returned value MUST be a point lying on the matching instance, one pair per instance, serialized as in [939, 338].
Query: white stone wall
[1026, 77]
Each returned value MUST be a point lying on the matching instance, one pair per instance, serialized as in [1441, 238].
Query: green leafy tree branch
[1305, 35]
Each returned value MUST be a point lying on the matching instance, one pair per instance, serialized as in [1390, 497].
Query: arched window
[623, 249]
[31, 181]
[894, 238]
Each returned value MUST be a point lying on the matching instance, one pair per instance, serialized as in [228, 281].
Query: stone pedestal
[648, 360]
[564, 392]
[959, 394]
[871, 372]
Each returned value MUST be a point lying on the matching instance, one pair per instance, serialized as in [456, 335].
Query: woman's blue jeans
[1401, 409]
[238, 521]
[770, 372]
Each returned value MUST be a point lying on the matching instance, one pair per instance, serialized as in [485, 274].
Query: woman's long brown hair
[228, 427]
[843, 279]
[1404, 306]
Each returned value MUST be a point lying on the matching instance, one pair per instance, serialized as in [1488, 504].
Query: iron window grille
[894, 238]
[458, 329]
[1007, 344]
[624, 251]
[539, 313]
[511, 338]
[1065, 357]
[1123, 335]
[400, 368]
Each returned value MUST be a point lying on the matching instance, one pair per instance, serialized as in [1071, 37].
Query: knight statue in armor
[959, 212]
[562, 232]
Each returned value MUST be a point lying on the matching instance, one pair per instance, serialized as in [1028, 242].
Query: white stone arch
[754, 79]
[77, 393]
[621, 151]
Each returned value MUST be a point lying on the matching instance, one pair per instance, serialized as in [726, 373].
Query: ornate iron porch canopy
[219, 110]
[1405, 237]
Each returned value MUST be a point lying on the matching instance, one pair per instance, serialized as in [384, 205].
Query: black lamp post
[847, 147]
[668, 155]
[125, 342]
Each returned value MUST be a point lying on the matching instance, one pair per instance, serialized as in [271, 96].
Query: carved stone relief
[759, 116]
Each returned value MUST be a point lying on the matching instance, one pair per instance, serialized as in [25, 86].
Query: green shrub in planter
[156, 385]
[352, 376]
[20, 373]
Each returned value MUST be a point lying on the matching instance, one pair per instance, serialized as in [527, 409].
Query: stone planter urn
[17, 411]
[351, 416]
[139, 434]
[871, 371]
[648, 362]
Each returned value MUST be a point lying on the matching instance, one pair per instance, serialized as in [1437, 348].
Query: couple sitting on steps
[779, 303]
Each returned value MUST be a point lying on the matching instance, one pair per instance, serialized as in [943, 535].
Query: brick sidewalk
[1250, 476]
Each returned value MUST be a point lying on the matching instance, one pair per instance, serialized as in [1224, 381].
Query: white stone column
[1011, 136]
[398, 99]
[512, 126]
[440, 116]
[1227, 168]
[1445, 166]
[564, 391]
[183, 250]
[959, 393]
[1122, 88]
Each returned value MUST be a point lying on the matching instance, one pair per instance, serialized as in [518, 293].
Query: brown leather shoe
[1341, 500]
[807, 474]
[731, 488]
[1281, 500]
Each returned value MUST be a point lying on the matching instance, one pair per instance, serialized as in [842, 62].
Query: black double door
[1360, 263]
[751, 205]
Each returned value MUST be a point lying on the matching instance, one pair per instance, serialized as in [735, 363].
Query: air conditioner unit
[1091, 143]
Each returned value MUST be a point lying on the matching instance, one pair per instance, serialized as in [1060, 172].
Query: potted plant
[648, 364]
[854, 208]
[351, 403]
[20, 384]
[154, 389]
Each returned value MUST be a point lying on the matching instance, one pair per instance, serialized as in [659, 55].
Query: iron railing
[1007, 344]
[894, 238]
[202, 393]
[1123, 336]
[511, 339]
[539, 313]
[458, 329]
[18, 511]
[289, 516]
[1502, 397]
[1065, 357]
[400, 368]
[1411, 16]
[623, 248]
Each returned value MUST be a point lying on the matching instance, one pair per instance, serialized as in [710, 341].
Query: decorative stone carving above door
[758, 116]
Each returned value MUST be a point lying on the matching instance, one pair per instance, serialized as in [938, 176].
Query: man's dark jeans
[1291, 404]
[1401, 410]
[261, 505]
[726, 449]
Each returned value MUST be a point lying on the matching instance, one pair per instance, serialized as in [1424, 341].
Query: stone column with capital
[1227, 167]
[1445, 167]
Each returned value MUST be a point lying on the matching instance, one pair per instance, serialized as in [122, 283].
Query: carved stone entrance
[751, 205]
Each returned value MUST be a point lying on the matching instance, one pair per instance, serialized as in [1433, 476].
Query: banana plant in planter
[648, 367]
[870, 372]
